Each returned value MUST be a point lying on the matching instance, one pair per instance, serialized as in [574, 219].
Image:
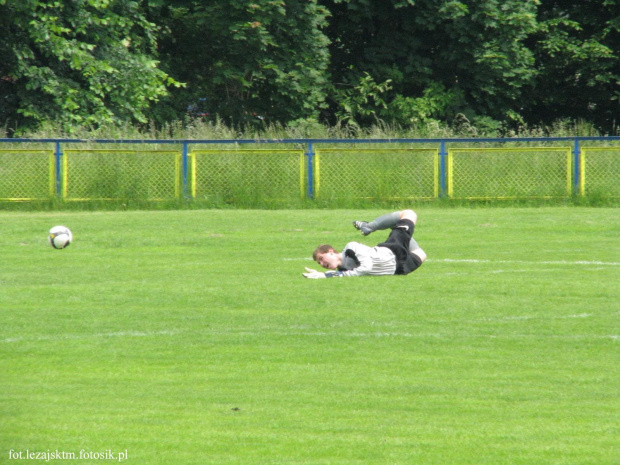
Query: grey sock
[384, 221]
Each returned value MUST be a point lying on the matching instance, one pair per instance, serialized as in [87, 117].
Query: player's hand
[313, 274]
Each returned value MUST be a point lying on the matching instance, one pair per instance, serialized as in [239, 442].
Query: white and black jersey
[390, 257]
[359, 260]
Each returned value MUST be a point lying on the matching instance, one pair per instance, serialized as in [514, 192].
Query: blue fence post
[310, 155]
[184, 171]
[576, 163]
[58, 156]
[442, 168]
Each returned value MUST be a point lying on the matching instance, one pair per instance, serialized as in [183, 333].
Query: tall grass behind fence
[105, 174]
[27, 174]
[376, 173]
[291, 173]
[509, 172]
[600, 172]
[248, 177]
[121, 174]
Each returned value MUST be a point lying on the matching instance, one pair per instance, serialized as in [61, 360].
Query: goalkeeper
[400, 254]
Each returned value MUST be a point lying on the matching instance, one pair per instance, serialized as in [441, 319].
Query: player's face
[329, 260]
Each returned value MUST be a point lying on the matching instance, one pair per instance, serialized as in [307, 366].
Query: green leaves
[83, 62]
[262, 57]
[363, 100]
[100, 61]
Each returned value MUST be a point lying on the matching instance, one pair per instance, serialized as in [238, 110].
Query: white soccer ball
[60, 237]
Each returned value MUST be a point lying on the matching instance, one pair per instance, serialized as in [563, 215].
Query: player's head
[326, 256]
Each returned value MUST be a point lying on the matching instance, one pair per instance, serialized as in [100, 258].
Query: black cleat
[362, 226]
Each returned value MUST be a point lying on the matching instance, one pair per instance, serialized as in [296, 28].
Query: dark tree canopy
[89, 62]
[83, 62]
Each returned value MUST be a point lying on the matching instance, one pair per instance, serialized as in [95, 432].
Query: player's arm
[314, 274]
[362, 255]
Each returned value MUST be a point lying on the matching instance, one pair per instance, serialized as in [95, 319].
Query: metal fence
[227, 170]
[376, 173]
[229, 175]
[599, 171]
[515, 172]
[102, 174]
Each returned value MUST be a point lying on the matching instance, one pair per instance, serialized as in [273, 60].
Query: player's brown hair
[321, 249]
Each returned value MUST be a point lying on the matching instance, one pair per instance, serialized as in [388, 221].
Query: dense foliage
[489, 63]
[83, 62]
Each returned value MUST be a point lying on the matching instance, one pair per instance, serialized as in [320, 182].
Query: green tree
[263, 57]
[442, 57]
[577, 48]
[83, 62]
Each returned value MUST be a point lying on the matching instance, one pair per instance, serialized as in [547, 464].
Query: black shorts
[398, 242]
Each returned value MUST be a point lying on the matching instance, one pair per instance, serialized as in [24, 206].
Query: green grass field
[190, 337]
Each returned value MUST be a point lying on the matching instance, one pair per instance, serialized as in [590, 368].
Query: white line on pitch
[529, 262]
[68, 337]
[475, 260]
[296, 333]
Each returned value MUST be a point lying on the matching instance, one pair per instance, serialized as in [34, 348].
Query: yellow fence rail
[600, 171]
[232, 175]
[27, 174]
[377, 173]
[509, 173]
[308, 169]
[119, 174]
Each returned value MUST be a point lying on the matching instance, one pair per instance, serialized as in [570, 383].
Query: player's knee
[420, 253]
[409, 215]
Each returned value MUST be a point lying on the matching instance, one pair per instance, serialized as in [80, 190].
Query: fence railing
[77, 169]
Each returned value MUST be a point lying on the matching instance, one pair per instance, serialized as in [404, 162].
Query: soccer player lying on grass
[399, 254]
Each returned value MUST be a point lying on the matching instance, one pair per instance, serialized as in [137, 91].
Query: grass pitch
[190, 337]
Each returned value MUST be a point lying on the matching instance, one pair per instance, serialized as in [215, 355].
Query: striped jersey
[359, 260]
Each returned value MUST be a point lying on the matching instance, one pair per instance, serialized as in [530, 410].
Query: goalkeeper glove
[313, 274]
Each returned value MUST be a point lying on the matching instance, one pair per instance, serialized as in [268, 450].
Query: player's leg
[403, 233]
[413, 245]
[389, 221]
[419, 252]
[409, 254]
[386, 221]
[411, 215]
[414, 248]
